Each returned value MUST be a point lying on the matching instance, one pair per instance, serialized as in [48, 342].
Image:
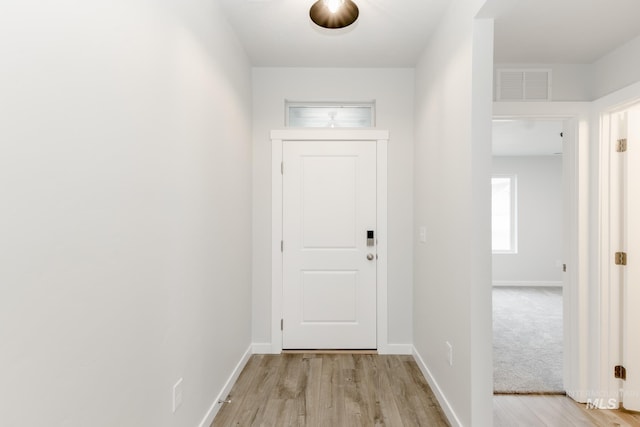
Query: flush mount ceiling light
[334, 13]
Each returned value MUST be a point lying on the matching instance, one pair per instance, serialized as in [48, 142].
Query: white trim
[320, 134]
[403, 349]
[527, 283]
[327, 134]
[610, 353]
[437, 391]
[542, 110]
[261, 348]
[607, 304]
[610, 208]
[610, 277]
[276, 236]
[381, 272]
[216, 405]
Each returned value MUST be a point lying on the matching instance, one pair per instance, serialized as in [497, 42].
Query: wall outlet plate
[177, 395]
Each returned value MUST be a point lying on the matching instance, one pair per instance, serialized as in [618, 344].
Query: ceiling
[387, 33]
[531, 137]
[393, 33]
[560, 31]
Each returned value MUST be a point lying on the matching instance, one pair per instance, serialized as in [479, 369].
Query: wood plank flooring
[345, 390]
[331, 390]
[555, 411]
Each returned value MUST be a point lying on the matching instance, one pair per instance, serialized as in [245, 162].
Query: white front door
[329, 264]
[631, 271]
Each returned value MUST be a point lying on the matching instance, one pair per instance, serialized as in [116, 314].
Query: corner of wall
[262, 348]
[448, 410]
[216, 405]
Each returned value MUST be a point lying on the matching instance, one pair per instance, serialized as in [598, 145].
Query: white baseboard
[532, 283]
[444, 403]
[262, 348]
[405, 349]
[215, 406]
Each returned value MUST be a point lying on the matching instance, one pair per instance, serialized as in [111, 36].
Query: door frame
[610, 230]
[381, 137]
[576, 307]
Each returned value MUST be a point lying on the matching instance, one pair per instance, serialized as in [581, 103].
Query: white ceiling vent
[523, 85]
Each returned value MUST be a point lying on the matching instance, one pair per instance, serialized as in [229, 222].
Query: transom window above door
[330, 115]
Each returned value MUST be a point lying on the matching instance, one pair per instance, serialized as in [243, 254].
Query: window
[330, 115]
[503, 214]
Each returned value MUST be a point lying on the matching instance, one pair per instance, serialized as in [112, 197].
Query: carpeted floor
[527, 340]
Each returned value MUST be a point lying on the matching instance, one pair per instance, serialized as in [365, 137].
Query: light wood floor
[555, 411]
[332, 390]
[345, 390]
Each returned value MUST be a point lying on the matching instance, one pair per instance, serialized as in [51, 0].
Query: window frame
[322, 104]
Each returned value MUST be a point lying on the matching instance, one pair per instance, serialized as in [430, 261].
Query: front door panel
[329, 272]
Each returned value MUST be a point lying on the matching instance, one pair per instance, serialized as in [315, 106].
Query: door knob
[369, 257]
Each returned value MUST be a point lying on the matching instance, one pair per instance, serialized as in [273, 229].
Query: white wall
[125, 167]
[588, 82]
[540, 231]
[616, 70]
[452, 275]
[392, 90]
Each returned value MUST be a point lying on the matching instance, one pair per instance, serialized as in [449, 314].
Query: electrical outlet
[449, 353]
[177, 395]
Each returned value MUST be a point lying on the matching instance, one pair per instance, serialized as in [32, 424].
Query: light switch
[423, 234]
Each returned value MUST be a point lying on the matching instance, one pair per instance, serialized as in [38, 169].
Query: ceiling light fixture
[334, 13]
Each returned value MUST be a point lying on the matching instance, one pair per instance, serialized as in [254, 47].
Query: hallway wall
[125, 231]
[452, 268]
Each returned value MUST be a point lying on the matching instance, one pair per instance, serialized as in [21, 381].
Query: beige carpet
[527, 340]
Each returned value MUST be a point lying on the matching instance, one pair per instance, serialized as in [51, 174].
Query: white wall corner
[437, 391]
[262, 348]
[403, 349]
[216, 405]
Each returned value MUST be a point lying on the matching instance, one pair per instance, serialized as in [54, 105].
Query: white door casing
[570, 236]
[620, 228]
[578, 337]
[630, 244]
[279, 138]
[329, 270]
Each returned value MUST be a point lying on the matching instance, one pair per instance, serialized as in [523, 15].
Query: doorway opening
[528, 239]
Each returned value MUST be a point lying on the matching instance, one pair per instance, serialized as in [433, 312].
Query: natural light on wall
[503, 214]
